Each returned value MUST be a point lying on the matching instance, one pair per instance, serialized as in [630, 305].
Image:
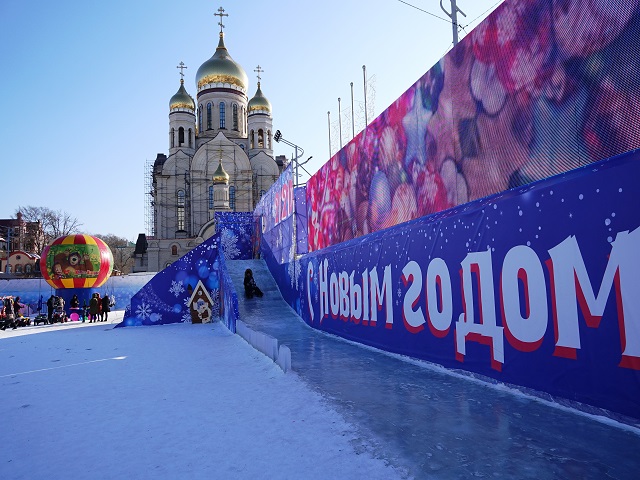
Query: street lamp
[278, 138]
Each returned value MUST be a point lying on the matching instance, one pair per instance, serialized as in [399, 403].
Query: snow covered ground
[86, 401]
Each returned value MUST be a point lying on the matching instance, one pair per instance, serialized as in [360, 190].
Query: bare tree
[53, 223]
[122, 250]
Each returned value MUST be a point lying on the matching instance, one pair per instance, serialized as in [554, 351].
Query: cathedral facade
[220, 159]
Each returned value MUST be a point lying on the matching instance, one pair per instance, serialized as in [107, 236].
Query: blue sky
[87, 84]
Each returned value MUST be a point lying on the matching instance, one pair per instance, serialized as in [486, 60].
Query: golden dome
[221, 68]
[182, 99]
[258, 102]
[220, 176]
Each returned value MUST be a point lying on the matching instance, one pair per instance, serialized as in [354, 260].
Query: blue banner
[194, 289]
[275, 213]
[538, 287]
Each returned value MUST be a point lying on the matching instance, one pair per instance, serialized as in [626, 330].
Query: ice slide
[432, 422]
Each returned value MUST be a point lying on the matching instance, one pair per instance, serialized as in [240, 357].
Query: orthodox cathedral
[220, 159]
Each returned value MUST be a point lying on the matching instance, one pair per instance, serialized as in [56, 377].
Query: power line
[448, 20]
[424, 11]
[482, 14]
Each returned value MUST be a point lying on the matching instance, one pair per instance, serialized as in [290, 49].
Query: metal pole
[353, 125]
[329, 123]
[364, 74]
[340, 122]
[454, 21]
[296, 165]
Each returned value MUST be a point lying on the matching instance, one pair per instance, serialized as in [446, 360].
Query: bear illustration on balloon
[70, 263]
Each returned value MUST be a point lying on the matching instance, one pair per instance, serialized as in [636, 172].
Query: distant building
[22, 264]
[220, 159]
[19, 243]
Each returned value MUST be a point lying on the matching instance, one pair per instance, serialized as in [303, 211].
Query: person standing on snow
[104, 314]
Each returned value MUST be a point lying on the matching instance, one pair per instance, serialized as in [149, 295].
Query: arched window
[200, 118]
[173, 137]
[251, 139]
[27, 269]
[180, 202]
[235, 116]
[180, 136]
[174, 250]
[190, 138]
[208, 116]
[18, 268]
[260, 139]
[269, 139]
[210, 197]
[232, 198]
[223, 123]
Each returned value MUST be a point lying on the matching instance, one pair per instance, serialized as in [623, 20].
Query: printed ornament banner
[539, 88]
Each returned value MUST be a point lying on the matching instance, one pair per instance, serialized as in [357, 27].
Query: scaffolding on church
[149, 222]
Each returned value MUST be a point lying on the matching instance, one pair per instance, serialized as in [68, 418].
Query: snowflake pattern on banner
[229, 244]
[176, 288]
[143, 311]
[236, 231]
[215, 308]
[294, 271]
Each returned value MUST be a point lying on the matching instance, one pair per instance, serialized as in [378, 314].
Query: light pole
[454, 19]
[278, 138]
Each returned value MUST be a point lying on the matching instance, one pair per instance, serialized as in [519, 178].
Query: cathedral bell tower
[259, 122]
[182, 119]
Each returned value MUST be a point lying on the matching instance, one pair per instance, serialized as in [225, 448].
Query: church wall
[200, 204]
[167, 186]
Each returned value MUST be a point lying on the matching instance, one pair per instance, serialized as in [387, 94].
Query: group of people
[99, 308]
[10, 315]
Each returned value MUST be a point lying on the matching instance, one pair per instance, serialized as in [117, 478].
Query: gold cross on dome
[221, 14]
[259, 70]
[182, 66]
